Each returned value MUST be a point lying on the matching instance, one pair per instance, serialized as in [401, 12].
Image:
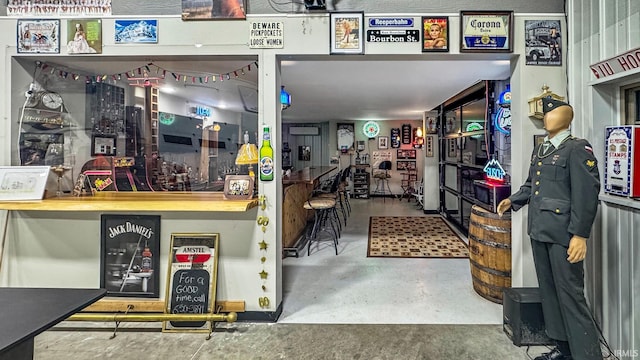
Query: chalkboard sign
[191, 281]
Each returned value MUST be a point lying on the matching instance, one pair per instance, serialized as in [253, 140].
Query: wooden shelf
[140, 201]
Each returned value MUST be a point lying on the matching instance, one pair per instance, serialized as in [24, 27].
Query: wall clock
[371, 129]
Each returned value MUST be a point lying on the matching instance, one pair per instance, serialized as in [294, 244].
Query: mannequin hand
[577, 249]
[504, 206]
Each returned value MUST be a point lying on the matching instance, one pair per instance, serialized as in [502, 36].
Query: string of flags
[150, 71]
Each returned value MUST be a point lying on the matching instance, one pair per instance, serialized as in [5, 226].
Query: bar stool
[334, 193]
[324, 210]
[382, 179]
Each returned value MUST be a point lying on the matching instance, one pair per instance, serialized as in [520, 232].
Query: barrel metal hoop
[475, 209]
[491, 228]
[490, 286]
[490, 243]
[490, 270]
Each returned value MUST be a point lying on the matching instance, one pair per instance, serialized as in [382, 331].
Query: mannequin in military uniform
[562, 192]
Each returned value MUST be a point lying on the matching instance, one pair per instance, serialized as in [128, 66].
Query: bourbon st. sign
[618, 64]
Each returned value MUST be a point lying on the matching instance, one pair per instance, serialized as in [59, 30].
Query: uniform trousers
[566, 314]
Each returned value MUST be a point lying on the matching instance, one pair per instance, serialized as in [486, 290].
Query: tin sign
[266, 35]
[622, 161]
[390, 22]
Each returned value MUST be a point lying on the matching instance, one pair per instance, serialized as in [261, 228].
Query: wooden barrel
[490, 253]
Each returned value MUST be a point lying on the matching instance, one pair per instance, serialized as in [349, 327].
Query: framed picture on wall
[304, 153]
[486, 31]
[130, 245]
[84, 36]
[405, 165]
[213, 10]
[346, 137]
[347, 33]
[435, 34]
[38, 36]
[383, 142]
[136, 31]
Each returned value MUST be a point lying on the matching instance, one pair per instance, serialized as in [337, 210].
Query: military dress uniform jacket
[562, 192]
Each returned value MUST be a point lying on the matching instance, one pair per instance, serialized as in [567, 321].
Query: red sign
[619, 64]
[193, 254]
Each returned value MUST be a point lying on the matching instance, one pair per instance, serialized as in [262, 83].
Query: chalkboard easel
[191, 280]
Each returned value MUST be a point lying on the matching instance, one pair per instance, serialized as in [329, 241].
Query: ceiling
[323, 88]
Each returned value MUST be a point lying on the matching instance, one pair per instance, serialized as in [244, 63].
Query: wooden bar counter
[135, 201]
[297, 189]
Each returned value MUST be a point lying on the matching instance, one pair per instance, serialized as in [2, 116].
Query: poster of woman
[543, 43]
[84, 37]
[435, 34]
[213, 9]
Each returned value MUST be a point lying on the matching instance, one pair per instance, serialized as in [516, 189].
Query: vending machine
[622, 160]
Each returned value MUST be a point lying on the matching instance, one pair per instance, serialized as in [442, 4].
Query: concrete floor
[335, 307]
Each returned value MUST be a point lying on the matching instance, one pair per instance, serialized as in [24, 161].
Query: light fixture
[535, 104]
[418, 138]
[285, 98]
[247, 155]
[216, 127]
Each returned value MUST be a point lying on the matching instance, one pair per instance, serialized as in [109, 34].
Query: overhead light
[216, 127]
[285, 98]
[315, 4]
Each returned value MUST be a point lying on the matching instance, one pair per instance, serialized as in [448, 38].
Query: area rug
[413, 237]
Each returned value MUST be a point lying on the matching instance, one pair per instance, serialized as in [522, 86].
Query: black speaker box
[522, 317]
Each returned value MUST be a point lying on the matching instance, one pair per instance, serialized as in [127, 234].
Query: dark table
[27, 312]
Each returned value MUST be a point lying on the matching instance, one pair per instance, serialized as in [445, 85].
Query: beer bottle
[266, 157]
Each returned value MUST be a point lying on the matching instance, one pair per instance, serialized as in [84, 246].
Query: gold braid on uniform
[540, 156]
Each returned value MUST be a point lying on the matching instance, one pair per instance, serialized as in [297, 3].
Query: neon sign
[494, 171]
[203, 111]
[502, 121]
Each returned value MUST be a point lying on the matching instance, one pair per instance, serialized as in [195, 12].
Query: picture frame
[429, 146]
[406, 154]
[435, 34]
[140, 31]
[129, 249]
[23, 182]
[84, 36]
[304, 153]
[383, 142]
[538, 140]
[405, 165]
[192, 278]
[104, 145]
[214, 10]
[38, 36]
[238, 187]
[494, 34]
[543, 42]
[346, 136]
[347, 33]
